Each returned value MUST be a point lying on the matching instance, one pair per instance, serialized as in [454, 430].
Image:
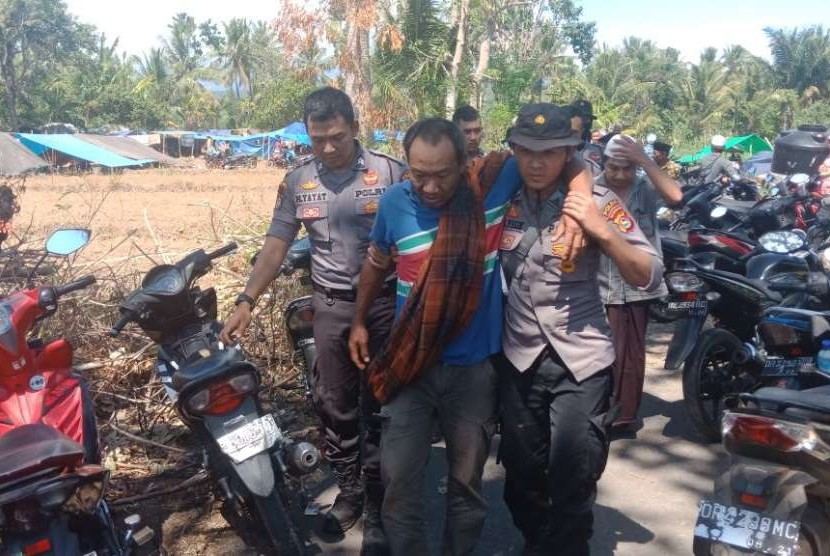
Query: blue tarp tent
[294, 132]
[76, 148]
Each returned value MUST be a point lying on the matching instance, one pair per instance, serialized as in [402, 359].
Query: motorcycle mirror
[718, 212]
[662, 212]
[66, 241]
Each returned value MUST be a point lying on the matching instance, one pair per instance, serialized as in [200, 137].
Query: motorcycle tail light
[301, 320]
[684, 282]
[753, 500]
[221, 397]
[42, 546]
[782, 436]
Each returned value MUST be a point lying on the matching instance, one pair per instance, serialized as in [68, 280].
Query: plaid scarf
[446, 294]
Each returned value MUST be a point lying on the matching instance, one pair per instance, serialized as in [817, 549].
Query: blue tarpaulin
[76, 148]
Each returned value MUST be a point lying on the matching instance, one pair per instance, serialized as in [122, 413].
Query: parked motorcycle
[216, 392]
[740, 353]
[299, 315]
[51, 486]
[775, 496]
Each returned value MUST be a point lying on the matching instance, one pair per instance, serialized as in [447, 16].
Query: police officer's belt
[350, 295]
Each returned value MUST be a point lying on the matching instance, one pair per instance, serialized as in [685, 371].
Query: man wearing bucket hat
[715, 165]
[627, 306]
[554, 373]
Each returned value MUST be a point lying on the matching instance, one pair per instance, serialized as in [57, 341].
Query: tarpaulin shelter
[72, 146]
[127, 147]
[15, 159]
[750, 144]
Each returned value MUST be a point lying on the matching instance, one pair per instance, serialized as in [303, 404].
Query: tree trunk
[460, 44]
[357, 65]
[483, 61]
[10, 82]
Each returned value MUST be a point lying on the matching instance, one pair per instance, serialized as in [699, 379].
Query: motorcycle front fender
[686, 332]
[256, 473]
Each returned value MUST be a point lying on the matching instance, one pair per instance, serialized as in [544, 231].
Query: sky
[688, 26]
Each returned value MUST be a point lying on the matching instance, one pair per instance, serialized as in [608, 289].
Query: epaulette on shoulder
[387, 156]
[300, 166]
[600, 190]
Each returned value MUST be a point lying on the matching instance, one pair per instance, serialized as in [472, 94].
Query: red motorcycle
[51, 488]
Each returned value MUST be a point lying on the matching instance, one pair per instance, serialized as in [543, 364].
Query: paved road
[647, 497]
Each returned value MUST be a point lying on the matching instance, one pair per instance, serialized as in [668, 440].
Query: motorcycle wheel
[658, 311]
[706, 378]
[273, 515]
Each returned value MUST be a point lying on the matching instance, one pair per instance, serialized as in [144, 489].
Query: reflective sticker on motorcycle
[370, 177]
[309, 185]
[37, 383]
[617, 215]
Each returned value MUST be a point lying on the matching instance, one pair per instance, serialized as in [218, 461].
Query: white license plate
[693, 306]
[746, 529]
[250, 439]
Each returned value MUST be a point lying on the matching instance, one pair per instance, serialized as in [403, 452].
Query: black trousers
[554, 447]
[347, 408]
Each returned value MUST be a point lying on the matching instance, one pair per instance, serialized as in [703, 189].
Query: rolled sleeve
[656, 278]
[284, 222]
[380, 234]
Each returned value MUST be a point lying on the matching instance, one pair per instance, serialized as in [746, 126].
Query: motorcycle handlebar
[222, 251]
[78, 284]
[125, 319]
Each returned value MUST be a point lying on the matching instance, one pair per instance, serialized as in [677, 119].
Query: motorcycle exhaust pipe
[746, 354]
[301, 458]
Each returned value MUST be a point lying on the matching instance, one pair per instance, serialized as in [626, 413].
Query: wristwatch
[245, 298]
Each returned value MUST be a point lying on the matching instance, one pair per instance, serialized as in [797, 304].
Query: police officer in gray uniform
[335, 196]
[554, 375]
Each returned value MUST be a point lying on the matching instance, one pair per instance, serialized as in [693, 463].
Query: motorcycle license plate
[780, 367]
[693, 308]
[250, 439]
[746, 529]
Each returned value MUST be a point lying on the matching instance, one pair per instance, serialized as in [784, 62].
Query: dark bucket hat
[542, 126]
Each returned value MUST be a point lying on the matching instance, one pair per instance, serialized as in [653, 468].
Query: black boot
[348, 506]
[374, 538]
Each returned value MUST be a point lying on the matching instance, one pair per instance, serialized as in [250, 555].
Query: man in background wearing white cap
[715, 165]
[626, 305]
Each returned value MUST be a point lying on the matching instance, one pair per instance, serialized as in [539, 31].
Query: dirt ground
[156, 211]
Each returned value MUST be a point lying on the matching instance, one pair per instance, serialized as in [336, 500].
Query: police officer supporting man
[335, 195]
[554, 376]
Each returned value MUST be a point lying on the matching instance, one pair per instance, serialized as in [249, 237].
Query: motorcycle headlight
[684, 282]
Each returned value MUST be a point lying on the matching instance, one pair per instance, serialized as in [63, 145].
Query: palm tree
[801, 57]
[237, 57]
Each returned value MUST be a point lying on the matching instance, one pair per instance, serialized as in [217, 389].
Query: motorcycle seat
[812, 404]
[760, 285]
[739, 207]
[36, 446]
[208, 368]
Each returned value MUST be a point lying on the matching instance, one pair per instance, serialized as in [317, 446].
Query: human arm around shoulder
[618, 236]
[579, 180]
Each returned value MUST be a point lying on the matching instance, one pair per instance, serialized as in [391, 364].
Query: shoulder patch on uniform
[299, 167]
[387, 156]
[614, 212]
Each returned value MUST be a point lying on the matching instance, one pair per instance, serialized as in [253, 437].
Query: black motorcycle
[775, 496]
[216, 392]
[299, 315]
[740, 353]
